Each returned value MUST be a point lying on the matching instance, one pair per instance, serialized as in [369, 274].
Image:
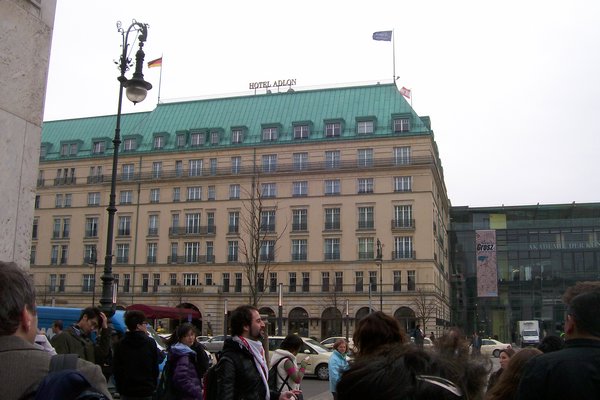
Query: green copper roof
[381, 103]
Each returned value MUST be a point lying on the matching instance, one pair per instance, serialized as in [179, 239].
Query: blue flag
[383, 35]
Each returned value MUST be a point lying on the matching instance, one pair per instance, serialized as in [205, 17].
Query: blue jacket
[337, 365]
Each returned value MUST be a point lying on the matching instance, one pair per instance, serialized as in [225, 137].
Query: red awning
[154, 312]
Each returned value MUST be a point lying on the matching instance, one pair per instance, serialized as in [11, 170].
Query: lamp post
[347, 315]
[379, 262]
[225, 317]
[280, 305]
[94, 262]
[137, 88]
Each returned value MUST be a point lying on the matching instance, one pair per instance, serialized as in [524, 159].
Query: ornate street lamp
[280, 310]
[136, 90]
[379, 262]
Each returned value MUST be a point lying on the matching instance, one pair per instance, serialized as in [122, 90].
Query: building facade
[26, 32]
[540, 250]
[327, 175]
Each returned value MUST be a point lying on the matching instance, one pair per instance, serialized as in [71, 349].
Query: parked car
[214, 344]
[427, 343]
[318, 356]
[330, 341]
[492, 347]
[202, 339]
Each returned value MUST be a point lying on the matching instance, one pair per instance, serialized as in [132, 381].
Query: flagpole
[393, 58]
[160, 78]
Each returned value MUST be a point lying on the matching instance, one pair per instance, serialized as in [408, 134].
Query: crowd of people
[384, 361]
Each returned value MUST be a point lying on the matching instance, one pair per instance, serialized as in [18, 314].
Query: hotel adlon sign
[268, 84]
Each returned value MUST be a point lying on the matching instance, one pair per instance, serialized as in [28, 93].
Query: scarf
[258, 353]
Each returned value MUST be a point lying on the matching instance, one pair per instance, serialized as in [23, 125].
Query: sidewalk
[322, 396]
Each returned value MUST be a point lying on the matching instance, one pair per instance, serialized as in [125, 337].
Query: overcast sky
[512, 88]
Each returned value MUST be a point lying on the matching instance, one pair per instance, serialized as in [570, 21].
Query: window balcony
[403, 255]
[300, 227]
[403, 223]
[299, 257]
[330, 256]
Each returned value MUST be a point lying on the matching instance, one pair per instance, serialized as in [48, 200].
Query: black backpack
[273, 374]
[165, 389]
[63, 382]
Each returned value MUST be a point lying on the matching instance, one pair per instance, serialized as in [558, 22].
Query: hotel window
[269, 163]
[197, 139]
[267, 220]
[397, 281]
[339, 281]
[124, 226]
[332, 159]
[237, 136]
[236, 164]
[365, 218]
[58, 200]
[234, 222]
[192, 250]
[175, 221]
[269, 190]
[126, 197]
[152, 224]
[34, 230]
[213, 166]
[300, 161]
[232, 250]
[215, 138]
[54, 255]
[300, 188]
[43, 152]
[173, 279]
[299, 249]
[403, 216]
[91, 227]
[37, 201]
[364, 127]
[194, 193]
[332, 249]
[365, 157]
[234, 191]
[373, 280]
[192, 223]
[238, 282]
[195, 167]
[269, 134]
[68, 200]
[99, 147]
[299, 220]
[267, 250]
[333, 129]
[154, 195]
[272, 282]
[402, 155]
[152, 249]
[95, 174]
[180, 140]
[64, 254]
[88, 283]
[156, 169]
[292, 284]
[190, 279]
[208, 279]
[93, 199]
[126, 283]
[68, 149]
[211, 192]
[225, 282]
[122, 253]
[155, 282]
[174, 252]
[403, 183]
[332, 219]
[127, 172]
[411, 282]
[325, 281]
[332, 187]
[210, 222]
[403, 248]
[178, 168]
[365, 249]
[358, 281]
[365, 185]
[301, 132]
[401, 125]
[176, 194]
[129, 144]
[159, 142]
[145, 282]
[306, 282]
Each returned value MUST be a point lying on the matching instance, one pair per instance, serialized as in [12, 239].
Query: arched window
[361, 313]
[298, 321]
[331, 323]
[271, 319]
[406, 317]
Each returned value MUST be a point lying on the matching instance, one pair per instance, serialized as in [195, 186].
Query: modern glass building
[540, 251]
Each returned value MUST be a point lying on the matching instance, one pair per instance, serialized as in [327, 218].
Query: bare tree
[425, 307]
[254, 236]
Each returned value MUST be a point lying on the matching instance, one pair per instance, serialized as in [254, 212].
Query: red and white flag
[405, 92]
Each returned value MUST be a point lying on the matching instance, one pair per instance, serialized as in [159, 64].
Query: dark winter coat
[73, 341]
[237, 376]
[570, 373]
[185, 377]
[135, 365]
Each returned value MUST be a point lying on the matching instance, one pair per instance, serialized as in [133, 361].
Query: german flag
[155, 63]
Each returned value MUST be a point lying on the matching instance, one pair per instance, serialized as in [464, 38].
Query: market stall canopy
[154, 312]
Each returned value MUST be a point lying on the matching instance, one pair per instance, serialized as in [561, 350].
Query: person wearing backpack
[135, 360]
[183, 364]
[242, 371]
[284, 371]
[24, 365]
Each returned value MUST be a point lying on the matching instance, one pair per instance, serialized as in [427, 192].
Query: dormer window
[197, 139]
[301, 132]
[43, 151]
[401, 125]
[269, 134]
[98, 147]
[333, 129]
[159, 142]
[68, 149]
[181, 140]
[129, 144]
[364, 127]
[215, 138]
